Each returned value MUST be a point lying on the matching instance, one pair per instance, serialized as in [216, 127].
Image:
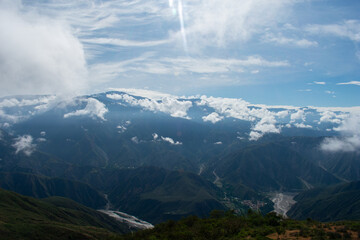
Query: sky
[280, 52]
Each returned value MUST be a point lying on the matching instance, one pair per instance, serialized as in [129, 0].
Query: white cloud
[303, 43]
[302, 125]
[218, 143]
[41, 139]
[94, 108]
[254, 136]
[126, 43]
[135, 139]
[38, 55]
[348, 29]
[140, 93]
[43, 133]
[167, 105]
[237, 108]
[155, 136]
[171, 141]
[299, 115]
[350, 83]
[13, 102]
[121, 129]
[319, 83]
[330, 92]
[282, 114]
[182, 66]
[220, 22]
[332, 117]
[350, 139]
[24, 144]
[345, 144]
[213, 117]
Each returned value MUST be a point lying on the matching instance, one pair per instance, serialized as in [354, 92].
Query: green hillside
[53, 218]
[156, 194]
[332, 203]
[227, 226]
[42, 187]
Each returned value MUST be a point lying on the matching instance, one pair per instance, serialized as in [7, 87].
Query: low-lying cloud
[24, 144]
[168, 105]
[94, 108]
[349, 140]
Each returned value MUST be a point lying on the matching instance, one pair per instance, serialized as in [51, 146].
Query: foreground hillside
[59, 218]
[53, 218]
[225, 226]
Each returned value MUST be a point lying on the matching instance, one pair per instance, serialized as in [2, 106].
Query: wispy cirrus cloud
[349, 29]
[300, 42]
[350, 83]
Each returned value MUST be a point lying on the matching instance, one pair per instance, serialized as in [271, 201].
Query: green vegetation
[54, 218]
[59, 218]
[226, 225]
[41, 187]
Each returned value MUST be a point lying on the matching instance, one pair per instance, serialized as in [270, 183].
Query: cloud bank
[38, 55]
[168, 105]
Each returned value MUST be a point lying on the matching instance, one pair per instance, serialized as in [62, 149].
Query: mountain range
[160, 157]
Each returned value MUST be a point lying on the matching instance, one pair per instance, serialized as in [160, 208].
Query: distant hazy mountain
[271, 167]
[331, 203]
[154, 154]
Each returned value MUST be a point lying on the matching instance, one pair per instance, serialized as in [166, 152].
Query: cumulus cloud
[169, 105]
[94, 108]
[319, 83]
[171, 141]
[350, 136]
[282, 114]
[265, 120]
[24, 144]
[213, 117]
[38, 55]
[331, 116]
[299, 115]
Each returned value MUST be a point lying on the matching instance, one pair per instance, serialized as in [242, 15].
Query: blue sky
[293, 52]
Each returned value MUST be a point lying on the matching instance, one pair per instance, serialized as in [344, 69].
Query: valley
[283, 202]
[135, 156]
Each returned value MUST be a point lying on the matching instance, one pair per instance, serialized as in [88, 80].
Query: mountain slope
[42, 187]
[271, 167]
[333, 203]
[55, 218]
[155, 194]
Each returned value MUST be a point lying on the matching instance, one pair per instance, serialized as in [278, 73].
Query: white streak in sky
[181, 19]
